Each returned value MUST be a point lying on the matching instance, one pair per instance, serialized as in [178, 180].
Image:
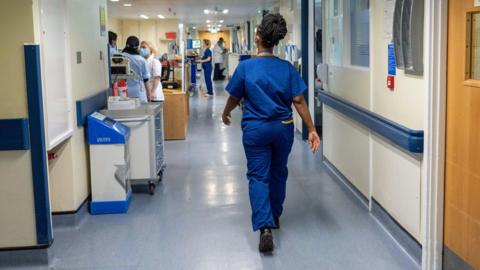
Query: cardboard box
[176, 115]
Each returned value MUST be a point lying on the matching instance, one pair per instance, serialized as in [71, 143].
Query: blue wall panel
[38, 148]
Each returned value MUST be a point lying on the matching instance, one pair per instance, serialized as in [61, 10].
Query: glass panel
[318, 58]
[475, 53]
[360, 33]
[335, 32]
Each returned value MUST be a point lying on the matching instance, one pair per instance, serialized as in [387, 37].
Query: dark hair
[272, 30]
[132, 44]
[112, 36]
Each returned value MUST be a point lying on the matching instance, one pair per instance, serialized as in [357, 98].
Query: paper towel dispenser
[408, 25]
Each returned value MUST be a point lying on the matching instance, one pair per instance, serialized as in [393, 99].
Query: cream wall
[375, 166]
[17, 213]
[150, 30]
[70, 182]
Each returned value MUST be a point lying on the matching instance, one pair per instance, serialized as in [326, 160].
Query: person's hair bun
[272, 30]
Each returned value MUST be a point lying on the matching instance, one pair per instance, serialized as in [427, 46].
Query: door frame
[436, 24]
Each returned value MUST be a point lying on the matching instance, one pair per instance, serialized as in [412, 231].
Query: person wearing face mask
[148, 51]
[138, 87]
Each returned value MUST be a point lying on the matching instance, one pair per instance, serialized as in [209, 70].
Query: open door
[462, 175]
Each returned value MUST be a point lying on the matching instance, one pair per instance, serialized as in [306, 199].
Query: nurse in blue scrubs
[269, 86]
[138, 87]
[207, 67]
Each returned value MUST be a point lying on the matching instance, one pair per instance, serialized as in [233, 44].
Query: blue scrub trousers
[207, 73]
[267, 146]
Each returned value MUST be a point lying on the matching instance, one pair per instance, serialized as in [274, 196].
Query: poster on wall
[388, 11]
[103, 21]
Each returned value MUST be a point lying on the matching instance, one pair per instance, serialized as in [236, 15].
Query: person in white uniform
[218, 57]
[148, 51]
[138, 87]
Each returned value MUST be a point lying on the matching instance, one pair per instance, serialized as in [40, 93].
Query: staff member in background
[112, 43]
[218, 52]
[148, 51]
[137, 87]
[207, 66]
[268, 86]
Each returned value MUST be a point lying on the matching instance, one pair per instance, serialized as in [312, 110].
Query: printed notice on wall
[388, 11]
[103, 21]
[476, 3]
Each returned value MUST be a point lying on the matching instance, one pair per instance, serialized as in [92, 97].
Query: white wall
[70, 180]
[375, 166]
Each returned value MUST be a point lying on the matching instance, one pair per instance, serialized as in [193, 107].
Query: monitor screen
[196, 44]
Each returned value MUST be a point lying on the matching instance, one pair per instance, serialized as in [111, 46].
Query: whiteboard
[55, 72]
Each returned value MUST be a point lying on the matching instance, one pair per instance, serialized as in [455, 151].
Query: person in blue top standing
[138, 87]
[207, 66]
[269, 86]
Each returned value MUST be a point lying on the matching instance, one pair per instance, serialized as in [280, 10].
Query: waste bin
[109, 165]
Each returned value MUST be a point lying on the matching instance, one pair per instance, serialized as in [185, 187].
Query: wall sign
[392, 66]
[103, 21]
[476, 3]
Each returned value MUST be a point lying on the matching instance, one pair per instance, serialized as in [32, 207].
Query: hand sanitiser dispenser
[109, 165]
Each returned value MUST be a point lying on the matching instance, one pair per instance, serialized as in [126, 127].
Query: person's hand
[313, 141]
[151, 97]
[226, 118]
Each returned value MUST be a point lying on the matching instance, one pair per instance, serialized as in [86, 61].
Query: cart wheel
[151, 188]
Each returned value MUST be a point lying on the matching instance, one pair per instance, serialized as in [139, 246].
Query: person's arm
[232, 103]
[204, 60]
[155, 83]
[302, 109]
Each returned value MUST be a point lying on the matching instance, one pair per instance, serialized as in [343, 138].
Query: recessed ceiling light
[206, 11]
[161, 16]
[225, 11]
[219, 25]
[209, 25]
[208, 21]
[144, 16]
[221, 21]
[114, 0]
[127, 5]
[194, 28]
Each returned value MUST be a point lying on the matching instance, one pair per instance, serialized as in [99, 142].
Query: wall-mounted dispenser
[408, 25]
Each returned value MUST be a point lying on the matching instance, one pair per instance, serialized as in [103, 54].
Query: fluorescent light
[221, 21]
[208, 21]
[144, 16]
[161, 16]
[206, 11]
[225, 11]
[127, 5]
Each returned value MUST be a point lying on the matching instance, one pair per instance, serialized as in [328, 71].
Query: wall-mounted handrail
[408, 139]
[14, 134]
[91, 104]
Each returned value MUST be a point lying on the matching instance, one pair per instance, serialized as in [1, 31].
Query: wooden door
[462, 183]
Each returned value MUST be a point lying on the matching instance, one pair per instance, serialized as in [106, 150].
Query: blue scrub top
[268, 85]
[206, 54]
[136, 87]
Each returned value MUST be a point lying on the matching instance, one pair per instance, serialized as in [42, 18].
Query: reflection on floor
[199, 217]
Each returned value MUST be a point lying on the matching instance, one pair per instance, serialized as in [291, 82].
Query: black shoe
[266, 240]
[277, 223]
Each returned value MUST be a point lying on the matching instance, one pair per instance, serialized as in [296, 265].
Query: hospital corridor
[240, 135]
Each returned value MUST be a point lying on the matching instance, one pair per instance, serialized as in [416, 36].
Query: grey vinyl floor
[199, 218]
